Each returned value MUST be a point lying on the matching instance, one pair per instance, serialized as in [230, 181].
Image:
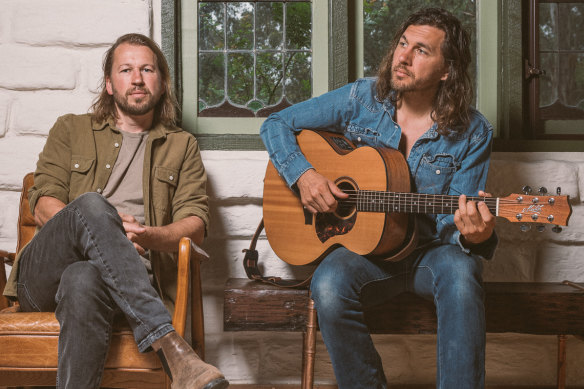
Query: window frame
[503, 102]
[208, 126]
[532, 65]
[516, 133]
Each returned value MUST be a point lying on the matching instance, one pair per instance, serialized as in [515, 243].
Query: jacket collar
[159, 130]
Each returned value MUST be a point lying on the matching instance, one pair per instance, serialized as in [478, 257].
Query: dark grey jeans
[82, 266]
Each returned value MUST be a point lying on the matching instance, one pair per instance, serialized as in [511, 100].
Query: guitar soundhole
[346, 208]
[328, 225]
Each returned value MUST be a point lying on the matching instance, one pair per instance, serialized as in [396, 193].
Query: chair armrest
[5, 258]
[189, 259]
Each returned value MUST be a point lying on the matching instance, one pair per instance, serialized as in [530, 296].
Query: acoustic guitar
[377, 219]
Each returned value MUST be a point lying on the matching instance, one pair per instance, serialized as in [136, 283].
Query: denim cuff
[145, 344]
[485, 250]
[296, 166]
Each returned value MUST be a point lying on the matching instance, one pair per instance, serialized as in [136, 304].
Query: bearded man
[114, 192]
[419, 105]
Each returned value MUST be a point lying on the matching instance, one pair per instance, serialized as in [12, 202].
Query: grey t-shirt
[124, 189]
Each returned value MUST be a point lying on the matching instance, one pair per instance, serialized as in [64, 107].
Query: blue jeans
[344, 284]
[82, 266]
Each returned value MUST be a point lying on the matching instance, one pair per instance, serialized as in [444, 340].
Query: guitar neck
[375, 201]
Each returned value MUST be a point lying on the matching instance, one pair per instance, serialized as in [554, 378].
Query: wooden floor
[247, 386]
[241, 386]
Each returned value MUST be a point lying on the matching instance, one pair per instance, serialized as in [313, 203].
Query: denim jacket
[453, 165]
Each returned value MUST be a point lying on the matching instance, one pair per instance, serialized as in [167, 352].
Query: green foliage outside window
[253, 56]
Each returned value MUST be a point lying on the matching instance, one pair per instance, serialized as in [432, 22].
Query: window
[347, 39]
[242, 60]
[554, 70]
[254, 57]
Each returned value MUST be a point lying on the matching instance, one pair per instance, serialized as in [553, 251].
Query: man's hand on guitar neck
[474, 221]
[318, 193]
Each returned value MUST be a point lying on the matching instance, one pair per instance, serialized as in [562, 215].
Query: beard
[402, 85]
[142, 105]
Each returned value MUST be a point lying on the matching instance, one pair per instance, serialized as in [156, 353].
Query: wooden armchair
[28, 340]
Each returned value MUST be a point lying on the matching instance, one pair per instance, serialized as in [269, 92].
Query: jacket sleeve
[328, 112]
[190, 197]
[53, 173]
[469, 179]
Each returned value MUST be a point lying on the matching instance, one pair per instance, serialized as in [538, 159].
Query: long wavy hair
[454, 95]
[166, 109]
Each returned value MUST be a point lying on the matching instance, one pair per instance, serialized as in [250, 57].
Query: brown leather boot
[184, 367]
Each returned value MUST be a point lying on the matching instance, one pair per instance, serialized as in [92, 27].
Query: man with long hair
[114, 192]
[419, 105]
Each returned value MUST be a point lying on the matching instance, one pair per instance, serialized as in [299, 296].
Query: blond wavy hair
[166, 110]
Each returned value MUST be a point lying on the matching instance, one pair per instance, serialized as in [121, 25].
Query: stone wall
[50, 56]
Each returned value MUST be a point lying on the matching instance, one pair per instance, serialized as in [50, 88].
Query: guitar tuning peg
[540, 228]
[559, 190]
[527, 189]
[542, 190]
[557, 229]
[525, 227]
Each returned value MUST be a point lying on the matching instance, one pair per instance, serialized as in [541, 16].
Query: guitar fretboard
[378, 201]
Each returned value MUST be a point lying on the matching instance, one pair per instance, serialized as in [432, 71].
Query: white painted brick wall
[69, 23]
[50, 64]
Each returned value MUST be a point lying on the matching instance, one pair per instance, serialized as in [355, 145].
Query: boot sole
[219, 383]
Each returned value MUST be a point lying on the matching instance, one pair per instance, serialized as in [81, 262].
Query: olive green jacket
[79, 156]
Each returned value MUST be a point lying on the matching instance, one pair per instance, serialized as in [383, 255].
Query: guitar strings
[357, 195]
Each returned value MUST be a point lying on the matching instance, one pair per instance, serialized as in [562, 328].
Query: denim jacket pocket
[362, 135]
[435, 173]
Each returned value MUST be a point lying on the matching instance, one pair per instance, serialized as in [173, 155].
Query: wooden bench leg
[562, 361]
[309, 348]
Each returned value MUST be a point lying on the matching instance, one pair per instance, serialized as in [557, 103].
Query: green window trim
[239, 126]
[499, 71]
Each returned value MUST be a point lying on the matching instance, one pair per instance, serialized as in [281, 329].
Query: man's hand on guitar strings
[474, 221]
[318, 193]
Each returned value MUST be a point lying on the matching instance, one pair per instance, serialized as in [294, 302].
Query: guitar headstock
[526, 208]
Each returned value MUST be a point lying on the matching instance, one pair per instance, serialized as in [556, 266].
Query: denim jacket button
[358, 139]
[438, 171]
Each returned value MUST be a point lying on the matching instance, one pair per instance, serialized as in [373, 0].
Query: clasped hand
[134, 231]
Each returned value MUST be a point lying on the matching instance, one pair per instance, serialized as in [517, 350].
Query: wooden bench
[526, 308]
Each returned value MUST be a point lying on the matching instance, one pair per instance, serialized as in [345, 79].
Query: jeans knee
[92, 203]
[334, 284]
[80, 286]
[464, 288]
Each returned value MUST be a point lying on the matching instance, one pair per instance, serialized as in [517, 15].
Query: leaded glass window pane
[255, 57]
[561, 55]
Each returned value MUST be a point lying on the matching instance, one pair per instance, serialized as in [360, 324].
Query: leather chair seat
[30, 339]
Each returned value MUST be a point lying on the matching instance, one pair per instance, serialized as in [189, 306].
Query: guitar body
[300, 238]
